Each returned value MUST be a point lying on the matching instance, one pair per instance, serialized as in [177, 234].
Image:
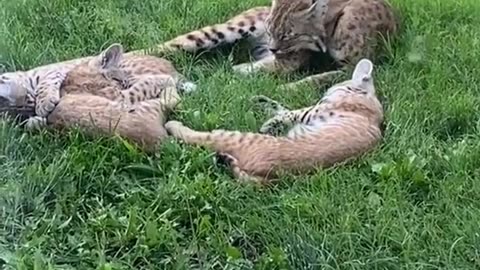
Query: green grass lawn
[72, 202]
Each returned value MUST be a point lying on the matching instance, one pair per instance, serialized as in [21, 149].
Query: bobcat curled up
[344, 124]
[108, 95]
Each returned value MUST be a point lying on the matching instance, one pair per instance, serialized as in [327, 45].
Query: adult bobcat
[286, 36]
[344, 124]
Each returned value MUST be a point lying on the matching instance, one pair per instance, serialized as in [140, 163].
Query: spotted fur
[290, 34]
[249, 25]
[128, 80]
[93, 99]
[40, 87]
[343, 125]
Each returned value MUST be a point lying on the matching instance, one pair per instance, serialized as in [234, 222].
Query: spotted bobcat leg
[271, 64]
[169, 98]
[266, 64]
[272, 125]
[315, 81]
[48, 93]
[248, 24]
[148, 87]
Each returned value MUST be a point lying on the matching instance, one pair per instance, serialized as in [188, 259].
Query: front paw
[271, 127]
[268, 104]
[46, 106]
[187, 87]
[36, 123]
[244, 69]
[294, 85]
[261, 99]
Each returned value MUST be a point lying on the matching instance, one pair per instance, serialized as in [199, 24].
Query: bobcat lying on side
[93, 97]
[344, 124]
[286, 35]
[40, 87]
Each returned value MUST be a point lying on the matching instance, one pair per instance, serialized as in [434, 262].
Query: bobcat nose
[273, 50]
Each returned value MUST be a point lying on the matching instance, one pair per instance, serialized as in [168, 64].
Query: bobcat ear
[362, 75]
[273, 5]
[318, 8]
[111, 56]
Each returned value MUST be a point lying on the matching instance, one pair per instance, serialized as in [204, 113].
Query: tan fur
[286, 36]
[97, 112]
[93, 99]
[125, 79]
[128, 80]
[343, 125]
[40, 87]
[249, 24]
[141, 123]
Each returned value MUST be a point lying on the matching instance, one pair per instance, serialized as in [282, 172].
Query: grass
[72, 202]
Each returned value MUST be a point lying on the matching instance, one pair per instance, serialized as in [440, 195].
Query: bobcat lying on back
[286, 35]
[344, 124]
[93, 97]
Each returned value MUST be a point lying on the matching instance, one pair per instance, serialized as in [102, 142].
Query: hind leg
[179, 131]
[238, 172]
[273, 64]
[314, 81]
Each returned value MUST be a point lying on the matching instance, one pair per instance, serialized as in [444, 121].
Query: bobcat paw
[268, 104]
[46, 106]
[187, 87]
[172, 126]
[294, 85]
[244, 69]
[36, 123]
[261, 99]
[271, 127]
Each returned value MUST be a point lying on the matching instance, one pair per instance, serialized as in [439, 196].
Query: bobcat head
[295, 25]
[102, 71]
[359, 90]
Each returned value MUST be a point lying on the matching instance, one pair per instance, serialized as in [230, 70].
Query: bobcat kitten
[137, 78]
[343, 125]
[90, 100]
[40, 87]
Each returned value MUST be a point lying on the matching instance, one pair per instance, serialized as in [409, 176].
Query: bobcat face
[102, 71]
[295, 25]
[86, 79]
